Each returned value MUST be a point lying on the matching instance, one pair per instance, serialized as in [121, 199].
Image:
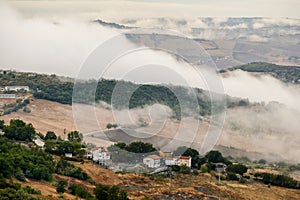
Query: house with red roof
[184, 160]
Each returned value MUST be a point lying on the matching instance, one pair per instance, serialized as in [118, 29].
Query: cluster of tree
[103, 192]
[54, 89]
[208, 162]
[79, 191]
[131, 153]
[109, 126]
[278, 180]
[288, 74]
[134, 147]
[210, 159]
[55, 145]
[14, 107]
[15, 191]
[66, 168]
[21, 162]
[18, 130]
[74, 189]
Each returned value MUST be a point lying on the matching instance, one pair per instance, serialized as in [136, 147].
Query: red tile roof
[185, 157]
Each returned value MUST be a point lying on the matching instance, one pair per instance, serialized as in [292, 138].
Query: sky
[116, 10]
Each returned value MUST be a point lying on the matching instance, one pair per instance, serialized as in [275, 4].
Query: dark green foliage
[184, 169]
[1, 124]
[79, 191]
[75, 136]
[262, 161]
[20, 161]
[175, 168]
[15, 191]
[132, 153]
[31, 190]
[60, 89]
[14, 107]
[109, 193]
[279, 180]
[66, 168]
[109, 126]
[60, 188]
[231, 176]
[140, 147]
[60, 147]
[238, 169]
[195, 172]
[288, 74]
[121, 145]
[50, 135]
[216, 157]
[19, 130]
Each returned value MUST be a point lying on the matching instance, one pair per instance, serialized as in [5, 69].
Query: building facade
[152, 161]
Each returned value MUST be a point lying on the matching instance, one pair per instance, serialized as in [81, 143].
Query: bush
[26, 110]
[237, 169]
[103, 192]
[185, 169]
[231, 176]
[195, 172]
[79, 191]
[60, 188]
[204, 169]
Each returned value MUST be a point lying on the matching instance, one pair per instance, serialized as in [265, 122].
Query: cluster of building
[14, 88]
[101, 156]
[166, 159]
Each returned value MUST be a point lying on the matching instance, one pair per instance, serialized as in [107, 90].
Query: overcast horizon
[117, 10]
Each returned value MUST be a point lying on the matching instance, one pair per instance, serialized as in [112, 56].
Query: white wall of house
[184, 161]
[170, 161]
[151, 163]
[100, 155]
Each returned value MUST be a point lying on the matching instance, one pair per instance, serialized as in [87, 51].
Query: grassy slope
[202, 186]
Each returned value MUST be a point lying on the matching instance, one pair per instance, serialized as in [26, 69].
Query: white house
[170, 161]
[7, 96]
[100, 154]
[68, 155]
[16, 88]
[39, 142]
[184, 160]
[152, 161]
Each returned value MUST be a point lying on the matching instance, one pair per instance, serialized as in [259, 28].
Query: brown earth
[138, 186]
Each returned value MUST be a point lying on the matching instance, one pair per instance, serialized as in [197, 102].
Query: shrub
[185, 169]
[60, 188]
[204, 169]
[231, 176]
[237, 169]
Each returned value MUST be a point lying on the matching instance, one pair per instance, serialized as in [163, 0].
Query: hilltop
[287, 74]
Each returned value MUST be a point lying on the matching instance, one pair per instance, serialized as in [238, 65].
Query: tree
[61, 186]
[1, 124]
[109, 193]
[50, 135]
[238, 169]
[19, 130]
[185, 169]
[216, 157]
[262, 161]
[204, 169]
[140, 147]
[75, 136]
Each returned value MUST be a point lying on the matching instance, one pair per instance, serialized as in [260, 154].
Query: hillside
[202, 186]
[287, 74]
[60, 89]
